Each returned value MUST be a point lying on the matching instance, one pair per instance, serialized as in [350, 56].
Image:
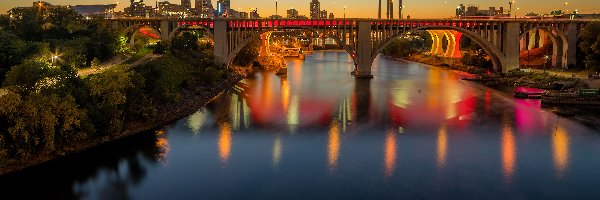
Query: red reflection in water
[527, 114]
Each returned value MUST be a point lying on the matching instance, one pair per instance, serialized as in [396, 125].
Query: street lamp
[510, 3]
[55, 57]
[345, 11]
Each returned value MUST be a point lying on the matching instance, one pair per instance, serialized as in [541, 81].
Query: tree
[185, 42]
[63, 22]
[73, 52]
[27, 23]
[400, 47]
[24, 78]
[108, 93]
[590, 45]
[12, 51]
[476, 58]
[39, 123]
[248, 54]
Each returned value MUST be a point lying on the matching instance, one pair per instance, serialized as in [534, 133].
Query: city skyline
[356, 8]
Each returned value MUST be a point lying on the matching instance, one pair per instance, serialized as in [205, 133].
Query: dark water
[412, 132]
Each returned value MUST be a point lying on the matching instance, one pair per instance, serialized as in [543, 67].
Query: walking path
[107, 65]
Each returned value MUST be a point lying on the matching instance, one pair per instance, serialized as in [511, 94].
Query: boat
[529, 93]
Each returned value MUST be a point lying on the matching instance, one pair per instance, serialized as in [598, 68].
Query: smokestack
[379, 15]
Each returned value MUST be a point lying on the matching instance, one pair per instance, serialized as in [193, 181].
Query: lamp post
[510, 3]
[53, 59]
[345, 11]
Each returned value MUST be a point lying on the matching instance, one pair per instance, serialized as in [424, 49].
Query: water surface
[412, 132]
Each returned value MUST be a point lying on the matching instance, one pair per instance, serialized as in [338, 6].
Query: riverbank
[506, 83]
[191, 101]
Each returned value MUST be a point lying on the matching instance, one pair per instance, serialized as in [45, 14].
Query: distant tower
[400, 10]
[387, 9]
[391, 9]
[379, 13]
[315, 9]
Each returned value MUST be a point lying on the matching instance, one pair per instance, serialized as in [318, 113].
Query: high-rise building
[186, 4]
[323, 14]
[292, 13]
[138, 9]
[331, 16]
[204, 8]
[315, 9]
[223, 6]
[460, 11]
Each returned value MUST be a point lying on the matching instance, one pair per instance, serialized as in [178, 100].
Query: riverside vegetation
[49, 110]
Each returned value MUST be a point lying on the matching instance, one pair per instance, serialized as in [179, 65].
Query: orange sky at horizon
[359, 8]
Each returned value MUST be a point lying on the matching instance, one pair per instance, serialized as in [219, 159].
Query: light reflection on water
[412, 132]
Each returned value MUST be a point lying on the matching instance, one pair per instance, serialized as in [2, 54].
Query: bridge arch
[130, 32]
[494, 52]
[560, 45]
[257, 34]
[208, 33]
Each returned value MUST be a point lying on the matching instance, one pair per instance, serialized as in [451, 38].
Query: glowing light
[442, 145]
[509, 151]
[333, 146]
[560, 150]
[389, 158]
[224, 142]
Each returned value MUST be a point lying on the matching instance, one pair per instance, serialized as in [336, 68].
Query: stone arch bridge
[364, 39]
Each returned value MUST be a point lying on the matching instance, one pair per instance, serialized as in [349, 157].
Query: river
[412, 132]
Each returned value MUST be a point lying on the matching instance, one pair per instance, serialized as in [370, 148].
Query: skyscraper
[379, 13]
[186, 4]
[204, 8]
[315, 9]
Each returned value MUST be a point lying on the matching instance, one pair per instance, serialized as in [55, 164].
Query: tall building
[460, 11]
[204, 8]
[315, 9]
[323, 14]
[292, 13]
[138, 9]
[223, 6]
[186, 4]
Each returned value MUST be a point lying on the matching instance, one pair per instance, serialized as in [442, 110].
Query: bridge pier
[572, 45]
[165, 30]
[221, 50]
[363, 57]
[511, 46]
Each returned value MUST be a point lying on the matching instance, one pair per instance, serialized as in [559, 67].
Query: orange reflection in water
[224, 142]
[162, 143]
[509, 151]
[333, 145]
[389, 158]
[285, 93]
[442, 145]
[560, 150]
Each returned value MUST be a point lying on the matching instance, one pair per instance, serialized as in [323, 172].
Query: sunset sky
[358, 8]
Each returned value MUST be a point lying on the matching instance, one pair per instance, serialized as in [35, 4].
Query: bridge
[364, 39]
